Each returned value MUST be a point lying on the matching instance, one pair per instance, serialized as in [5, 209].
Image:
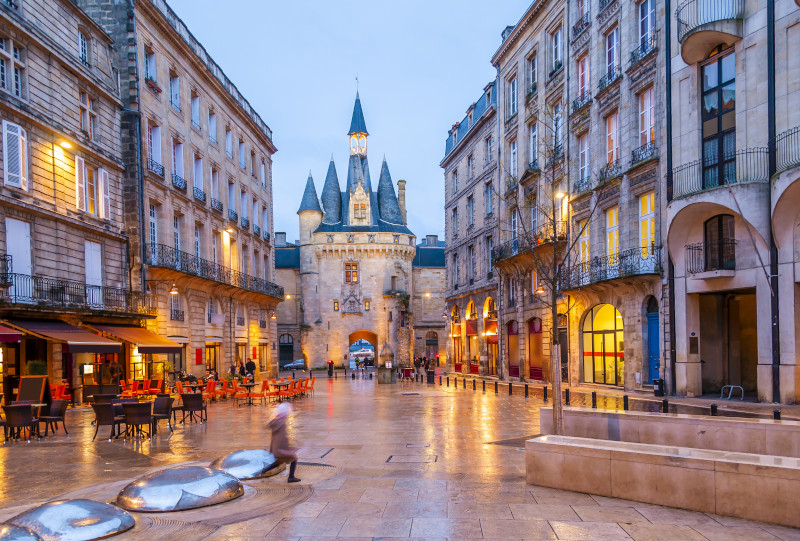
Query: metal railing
[603, 5]
[705, 257]
[606, 80]
[232, 216]
[533, 165]
[239, 321]
[262, 323]
[583, 184]
[216, 204]
[582, 24]
[176, 315]
[160, 255]
[544, 234]
[179, 182]
[644, 152]
[6, 268]
[692, 14]
[256, 229]
[579, 102]
[155, 167]
[54, 292]
[556, 154]
[610, 170]
[644, 49]
[265, 235]
[742, 167]
[633, 262]
[245, 222]
[787, 145]
[199, 194]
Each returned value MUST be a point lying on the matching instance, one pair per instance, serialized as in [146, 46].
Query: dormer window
[360, 211]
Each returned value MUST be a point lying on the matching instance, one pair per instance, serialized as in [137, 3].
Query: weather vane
[356, 82]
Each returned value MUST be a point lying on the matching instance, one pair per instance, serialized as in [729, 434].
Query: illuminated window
[351, 273]
[335, 306]
[367, 304]
[360, 211]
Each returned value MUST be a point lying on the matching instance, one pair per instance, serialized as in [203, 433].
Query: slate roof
[310, 200]
[287, 257]
[357, 124]
[387, 200]
[331, 197]
[428, 257]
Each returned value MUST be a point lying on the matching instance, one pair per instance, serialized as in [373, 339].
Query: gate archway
[367, 336]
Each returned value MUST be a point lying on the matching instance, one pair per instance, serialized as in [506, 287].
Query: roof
[387, 200]
[487, 102]
[77, 340]
[310, 200]
[287, 257]
[332, 196]
[144, 340]
[429, 257]
[357, 124]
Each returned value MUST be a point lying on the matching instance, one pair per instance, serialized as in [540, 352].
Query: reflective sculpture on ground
[9, 532]
[248, 464]
[74, 520]
[177, 489]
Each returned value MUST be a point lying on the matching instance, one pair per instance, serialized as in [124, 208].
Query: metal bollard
[713, 409]
[509, 388]
[440, 380]
[292, 374]
[544, 389]
[335, 374]
[566, 396]
[594, 399]
[473, 384]
[465, 383]
[526, 390]
[370, 375]
[352, 375]
[625, 402]
[495, 387]
[776, 415]
[484, 386]
[448, 381]
[665, 406]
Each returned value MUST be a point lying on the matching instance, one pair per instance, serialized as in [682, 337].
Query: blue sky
[420, 64]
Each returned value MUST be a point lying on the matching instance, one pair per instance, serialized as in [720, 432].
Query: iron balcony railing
[742, 167]
[584, 99]
[544, 234]
[256, 229]
[155, 167]
[692, 14]
[714, 256]
[6, 268]
[52, 292]
[160, 255]
[633, 262]
[787, 145]
[232, 216]
[266, 235]
[583, 184]
[648, 46]
[179, 182]
[245, 222]
[606, 80]
[262, 323]
[644, 152]
[603, 5]
[582, 24]
[199, 194]
[610, 170]
[240, 321]
[177, 315]
[533, 165]
[556, 154]
[216, 204]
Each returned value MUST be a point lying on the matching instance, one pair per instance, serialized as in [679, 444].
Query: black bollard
[625, 402]
[594, 399]
[465, 383]
[544, 390]
[473, 384]
[566, 396]
[713, 410]
[448, 381]
[440, 380]
[509, 388]
[335, 375]
[484, 386]
[352, 375]
[292, 374]
[495, 387]
[776, 415]
[370, 375]
[665, 406]
[526, 390]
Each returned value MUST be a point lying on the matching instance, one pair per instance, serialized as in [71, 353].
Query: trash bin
[431, 377]
[658, 387]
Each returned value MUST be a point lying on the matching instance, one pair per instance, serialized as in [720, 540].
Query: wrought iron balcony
[216, 204]
[633, 262]
[787, 146]
[52, 292]
[545, 234]
[644, 152]
[707, 257]
[650, 44]
[582, 24]
[245, 222]
[256, 230]
[613, 75]
[199, 194]
[583, 184]
[232, 216]
[266, 235]
[603, 5]
[610, 170]
[578, 103]
[744, 166]
[556, 155]
[160, 255]
[155, 167]
[239, 321]
[6, 268]
[176, 315]
[692, 14]
[262, 323]
[533, 166]
[179, 182]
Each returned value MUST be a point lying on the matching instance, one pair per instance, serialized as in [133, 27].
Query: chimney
[401, 199]
[432, 240]
[280, 239]
[507, 32]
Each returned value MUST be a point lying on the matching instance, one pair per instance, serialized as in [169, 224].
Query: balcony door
[647, 232]
[94, 274]
[719, 121]
[20, 252]
[612, 242]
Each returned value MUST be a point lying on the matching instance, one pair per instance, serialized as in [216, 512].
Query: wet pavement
[378, 461]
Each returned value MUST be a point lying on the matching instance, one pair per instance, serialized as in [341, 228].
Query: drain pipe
[773, 248]
[670, 265]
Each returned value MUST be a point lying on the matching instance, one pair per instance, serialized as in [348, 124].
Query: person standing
[250, 367]
[279, 446]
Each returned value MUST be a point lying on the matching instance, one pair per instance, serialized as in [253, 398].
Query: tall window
[584, 245]
[647, 223]
[647, 23]
[558, 129]
[583, 8]
[243, 205]
[154, 144]
[612, 139]
[254, 214]
[15, 155]
[584, 83]
[489, 247]
[719, 121]
[198, 172]
[512, 96]
[512, 293]
[512, 159]
[19, 72]
[214, 246]
[229, 142]
[612, 234]
[470, 167]
[515, 224]
[176, 232]
[471, 262]
[242, 156]
[612, 51]
[454, 221]
[456, 270]
[232, 196]
[150, 70]
[489, 144]
[263, 173]
[174, 90]
[195, 110]
[351, 273]
[583, 156]
[471, 210]
[647, 118]
[153, 222]
[455, 181]
[212, 126]
[488, 198]
[197, 241]
[533, 144]
[555, 49]
[88, 115]
[83, 48]
[720, 243]
[214, 183]
[177, 158]
[532, 75]
[92, 189]
[264, 220]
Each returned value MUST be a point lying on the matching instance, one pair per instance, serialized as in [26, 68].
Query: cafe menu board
[34, 388]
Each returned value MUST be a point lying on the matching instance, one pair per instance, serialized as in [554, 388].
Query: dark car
[299, 364]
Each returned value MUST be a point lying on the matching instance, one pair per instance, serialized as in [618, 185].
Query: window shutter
[105, 196]
[11, 156]
[80, 183]
[23, 159]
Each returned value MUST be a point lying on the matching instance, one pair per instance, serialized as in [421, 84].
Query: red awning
[472, 327]
[144, 340]
[77, 340]
[9, 336]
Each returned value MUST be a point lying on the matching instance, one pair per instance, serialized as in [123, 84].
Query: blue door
[653, 358]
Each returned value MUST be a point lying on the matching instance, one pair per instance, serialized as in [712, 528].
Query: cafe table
[281, 385]
[249, 387]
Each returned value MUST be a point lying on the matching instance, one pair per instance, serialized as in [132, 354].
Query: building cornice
[509, 43]
[490, 114]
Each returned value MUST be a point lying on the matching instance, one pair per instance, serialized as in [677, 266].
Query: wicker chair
[19, 417]
[162, 409]
[57, 411]
[138, 416]
[193, 405]
[104, 415]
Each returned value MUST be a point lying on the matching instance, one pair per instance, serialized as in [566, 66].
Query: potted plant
[152, 84]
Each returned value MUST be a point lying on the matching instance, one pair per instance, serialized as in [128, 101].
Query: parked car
[299, 364]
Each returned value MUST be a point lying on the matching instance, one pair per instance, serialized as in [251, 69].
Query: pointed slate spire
[310, 200]
[332, 197]
[357, 124]
[387, 199]
[355, 173]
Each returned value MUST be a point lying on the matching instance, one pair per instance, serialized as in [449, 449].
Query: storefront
[535, 348]
[490, 333]
[472, 344]
[512, 332]
[213, 357]
[603, 352]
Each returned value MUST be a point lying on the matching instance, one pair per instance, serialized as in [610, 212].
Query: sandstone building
[356, 271]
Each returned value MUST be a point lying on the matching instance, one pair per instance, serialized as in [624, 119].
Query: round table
[281, 385]
[249, 387]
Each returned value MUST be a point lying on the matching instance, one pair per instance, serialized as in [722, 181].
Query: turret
[332, 196]
[310, 212]
[387, 200]
[358, 130]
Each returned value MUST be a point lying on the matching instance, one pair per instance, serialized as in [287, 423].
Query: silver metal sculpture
[10, 532]
[74, 520]
[177, 489]
[248, 464]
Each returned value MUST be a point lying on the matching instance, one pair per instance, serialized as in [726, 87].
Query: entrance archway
[535, 348]
[603, 353]
[512, 331]
[651, 336]
[490, 332]
[432, 345]
[366, 336]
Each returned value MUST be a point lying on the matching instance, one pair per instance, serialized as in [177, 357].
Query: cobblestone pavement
[405, 460]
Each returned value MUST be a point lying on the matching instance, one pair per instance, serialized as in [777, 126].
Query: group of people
[423, 364]
[245, 369]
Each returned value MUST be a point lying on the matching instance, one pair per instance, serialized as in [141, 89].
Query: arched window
[603, 353]
[286, 338]
[720, 243]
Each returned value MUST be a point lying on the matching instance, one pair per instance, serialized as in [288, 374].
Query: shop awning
[77, 340]
[9, 336]
[146, 341]
[472, 327]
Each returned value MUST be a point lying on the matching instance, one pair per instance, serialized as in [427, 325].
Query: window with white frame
[454, 221]
[515, 224]
[150, 66]
[583, 157]
[198, 172]
[154, 146]
[214, 246]
[470, 167]
[212, 126]
[83, 48]
[534, 218]
[229, 141]
[647, 118]
[471, 210]
[12, 68]
[456, 270]
[583, 8]
[533, 144]
[556, 38]
[177, 158]
[232, 196]
[242, 156]
[584, 83]
[255, 213]
[512, 96]
[612, 234]
[488, 198]
[512, 159]
[455, 180]
[471, 262]
[88, 115]
[489, 148]
[647, 223]
[612, 51]
[214, 184]
[92, 189]
[558, 129]
[174, 90]
[153, 223]
[243, 206]
[197, 241]
[489, 246]
[15, 155]
[532, 76]
[512, 293]
[647, 24]
[264, 220]
[263, 173]
[584, 246]
[253, 163]
[195, 109]
[176, 232]
[612, 138]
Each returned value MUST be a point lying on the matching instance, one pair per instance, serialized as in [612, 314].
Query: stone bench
[743, 485]
[734, 434]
